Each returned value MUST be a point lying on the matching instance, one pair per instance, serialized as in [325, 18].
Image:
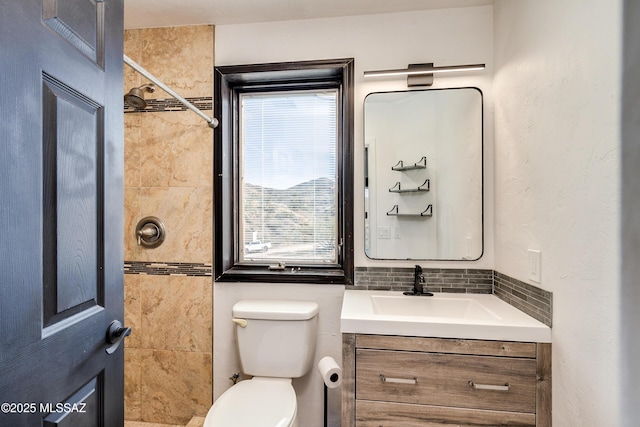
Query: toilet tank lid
[275, 309]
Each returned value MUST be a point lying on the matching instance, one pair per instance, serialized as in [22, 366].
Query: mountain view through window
[288, 197]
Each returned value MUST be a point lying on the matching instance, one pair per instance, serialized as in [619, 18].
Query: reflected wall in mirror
[423, 174]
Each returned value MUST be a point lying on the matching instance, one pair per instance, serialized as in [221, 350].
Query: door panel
[81, 409]
[72, 185]
[61, 219]
[81, 23]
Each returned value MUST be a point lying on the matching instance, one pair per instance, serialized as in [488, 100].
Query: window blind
[288, 177]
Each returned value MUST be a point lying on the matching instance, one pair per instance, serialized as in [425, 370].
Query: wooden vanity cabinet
[393, 381]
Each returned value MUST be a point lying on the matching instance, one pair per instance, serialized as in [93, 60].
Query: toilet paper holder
[330, 372]
[150, 232]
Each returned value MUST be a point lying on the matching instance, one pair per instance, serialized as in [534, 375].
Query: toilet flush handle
[241, 322]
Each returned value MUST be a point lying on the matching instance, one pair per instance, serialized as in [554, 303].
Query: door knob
[115, 335]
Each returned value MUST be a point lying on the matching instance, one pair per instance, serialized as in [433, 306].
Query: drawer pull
[475, 386]
[412, 381]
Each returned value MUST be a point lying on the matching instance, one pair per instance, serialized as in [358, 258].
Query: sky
[288, 138]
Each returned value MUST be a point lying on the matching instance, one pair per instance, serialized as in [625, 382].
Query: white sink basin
[468, 316]
[454, 308]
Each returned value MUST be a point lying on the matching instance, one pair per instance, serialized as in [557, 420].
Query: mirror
[423, 174]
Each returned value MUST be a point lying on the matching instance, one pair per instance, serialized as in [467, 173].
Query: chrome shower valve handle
[150, 232]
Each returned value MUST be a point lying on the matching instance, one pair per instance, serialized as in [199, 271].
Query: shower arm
[212, 121]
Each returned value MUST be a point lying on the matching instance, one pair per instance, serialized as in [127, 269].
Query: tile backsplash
[436, 279]
[534, 301]
[530, 299]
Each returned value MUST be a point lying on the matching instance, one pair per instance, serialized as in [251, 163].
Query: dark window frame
[229, 83]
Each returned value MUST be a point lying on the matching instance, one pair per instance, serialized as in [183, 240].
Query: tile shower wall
[168, 174]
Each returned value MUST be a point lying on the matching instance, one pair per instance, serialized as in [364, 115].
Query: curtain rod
[212, 121]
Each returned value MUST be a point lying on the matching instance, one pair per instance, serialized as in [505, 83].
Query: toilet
[276, 343]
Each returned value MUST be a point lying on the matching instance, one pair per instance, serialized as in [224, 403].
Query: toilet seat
[260, 402]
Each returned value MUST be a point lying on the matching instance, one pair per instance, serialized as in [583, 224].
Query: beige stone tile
[187, 215]
[132, 136]
[177, 313]
[176, 386]
[196, 422]
[133, 49]
[133, 311]
[176, 150]
[132, 375]
[131, 217]
[181, 57]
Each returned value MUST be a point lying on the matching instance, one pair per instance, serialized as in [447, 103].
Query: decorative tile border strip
[534, 301]
[530, 299]
[437, 279]
[171, 104]
[167, 268]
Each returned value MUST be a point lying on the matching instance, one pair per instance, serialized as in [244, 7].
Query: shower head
[135, 97]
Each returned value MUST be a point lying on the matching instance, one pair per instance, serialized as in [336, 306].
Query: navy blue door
[61, 220]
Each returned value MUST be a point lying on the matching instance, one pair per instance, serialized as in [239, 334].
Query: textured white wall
[557, 94]
[445, 36]
[557, 184]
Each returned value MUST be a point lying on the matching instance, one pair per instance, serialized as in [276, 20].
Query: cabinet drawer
[384, 414]
[448, 345]
[476, 382]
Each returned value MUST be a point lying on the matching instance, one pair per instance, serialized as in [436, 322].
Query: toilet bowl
[260, 402]
[276, 342]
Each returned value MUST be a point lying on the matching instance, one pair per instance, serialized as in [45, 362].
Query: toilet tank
[279, 339]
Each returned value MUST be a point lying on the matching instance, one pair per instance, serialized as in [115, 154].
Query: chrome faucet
[418, 281]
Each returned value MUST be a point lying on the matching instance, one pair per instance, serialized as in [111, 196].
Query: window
[283, 168]
[288, 196]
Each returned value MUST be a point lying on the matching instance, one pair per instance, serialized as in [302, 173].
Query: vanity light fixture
[422, 74]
